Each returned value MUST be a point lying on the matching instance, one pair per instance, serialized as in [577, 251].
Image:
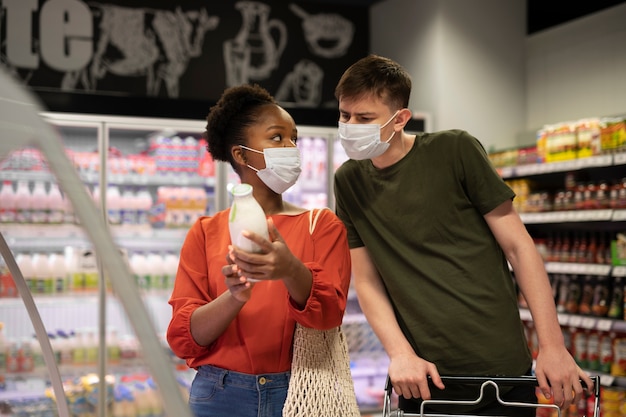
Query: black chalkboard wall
[155, 58]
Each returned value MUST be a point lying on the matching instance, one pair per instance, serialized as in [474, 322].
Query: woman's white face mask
[362, 141]
[282, 167]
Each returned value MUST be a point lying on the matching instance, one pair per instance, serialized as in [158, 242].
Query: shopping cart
[495, 382]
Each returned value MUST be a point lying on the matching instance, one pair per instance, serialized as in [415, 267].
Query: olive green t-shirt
[422, 223]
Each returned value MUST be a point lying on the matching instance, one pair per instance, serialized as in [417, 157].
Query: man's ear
[404, 116]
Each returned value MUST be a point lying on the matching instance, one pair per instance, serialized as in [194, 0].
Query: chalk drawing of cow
[142, 42]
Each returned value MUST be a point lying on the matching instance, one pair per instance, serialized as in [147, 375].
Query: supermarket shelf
[573, 216]
[54, 237]
[115, 179]
[578, 268]
[583, 322]
[563, 166]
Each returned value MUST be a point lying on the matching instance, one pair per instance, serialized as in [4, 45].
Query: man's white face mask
[362, 141]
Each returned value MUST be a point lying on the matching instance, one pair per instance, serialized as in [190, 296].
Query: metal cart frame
[496, 382]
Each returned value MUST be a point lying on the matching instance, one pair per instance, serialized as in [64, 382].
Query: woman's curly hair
[234, 112]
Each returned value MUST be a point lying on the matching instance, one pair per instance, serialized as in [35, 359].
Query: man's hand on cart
[409, 376]
[559, 377]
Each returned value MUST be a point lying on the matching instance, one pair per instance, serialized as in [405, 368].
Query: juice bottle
[23, 203]
[56, 205]
[43, 276]
[39, 203]
[3, 356]
[8, 203]
[115, 204]
[25, 263]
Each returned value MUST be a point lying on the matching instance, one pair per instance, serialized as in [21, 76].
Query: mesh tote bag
[321, 383]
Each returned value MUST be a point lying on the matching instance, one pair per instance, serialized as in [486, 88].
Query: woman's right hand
[239, 287]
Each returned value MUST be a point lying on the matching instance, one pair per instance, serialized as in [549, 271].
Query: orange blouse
[259, 340]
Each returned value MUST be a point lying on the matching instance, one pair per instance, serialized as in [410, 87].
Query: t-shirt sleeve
[482, 183]
[342, 211]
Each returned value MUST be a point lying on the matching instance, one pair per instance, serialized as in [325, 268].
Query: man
[431, 227]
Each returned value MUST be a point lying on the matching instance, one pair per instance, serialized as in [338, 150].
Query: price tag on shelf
[575, 321]
[564, 319]
[619, 215]
[607, 380]
[588, 323]
[505, 172]
[604, 325]
[619, 158]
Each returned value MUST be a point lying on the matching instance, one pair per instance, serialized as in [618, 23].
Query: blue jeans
[217, 392]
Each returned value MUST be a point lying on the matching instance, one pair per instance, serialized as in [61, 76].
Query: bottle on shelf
[56, 205]
[23, 203]
[39, 203]
[8, 203]
[3, 356]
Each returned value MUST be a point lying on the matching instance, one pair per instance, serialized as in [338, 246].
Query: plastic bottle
[320, 158]
[3, 356]
[7, 284]
[8, 203]
[23, 200]
[91, 346]
[65, 345]
[113, 347]
[27, 362]
[80, 347]
[58, 272]
[170, 267]
[141, 270]
[143, 201]
[246, 214]
[44, 282]
[68, 211]
[75, 277]
[56, 205]
[128, 214]
[115, 204]
[40, 205]
[155, 266]
[25, 263]
[155, 399]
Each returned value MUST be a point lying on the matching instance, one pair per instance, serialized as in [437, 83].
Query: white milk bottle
[23, 202]
[25, 263]
[246, 214]
[8, 203]
[40, 207]
[128, 215]
[114, 204]
[144, 202]
[56, 205]
[43, 277]
[58, 272]
[154, 263]
[171, 266]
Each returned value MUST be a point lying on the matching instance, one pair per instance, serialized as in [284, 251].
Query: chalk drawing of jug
[254, 53]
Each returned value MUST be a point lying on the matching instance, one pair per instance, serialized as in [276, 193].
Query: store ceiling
[541, 14]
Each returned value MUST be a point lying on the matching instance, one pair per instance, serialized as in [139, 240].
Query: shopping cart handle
[500, 380]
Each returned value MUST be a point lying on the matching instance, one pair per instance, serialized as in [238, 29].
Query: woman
[236, 333]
